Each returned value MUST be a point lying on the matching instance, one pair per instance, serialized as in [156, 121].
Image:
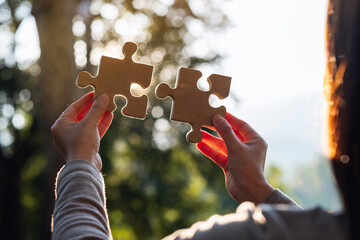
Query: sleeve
[230, 226]
[248, 223]
[277, 197]
[80, 206]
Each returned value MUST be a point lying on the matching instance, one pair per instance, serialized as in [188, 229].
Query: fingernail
[102, 99]
[217, 119]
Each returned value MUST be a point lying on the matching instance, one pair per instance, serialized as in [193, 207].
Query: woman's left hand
[77, 132]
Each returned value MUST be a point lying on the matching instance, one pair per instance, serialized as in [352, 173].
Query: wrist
[255, 191]
[264, 190]
[86, 157]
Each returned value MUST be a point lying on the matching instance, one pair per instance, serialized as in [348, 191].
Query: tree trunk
[56, 84]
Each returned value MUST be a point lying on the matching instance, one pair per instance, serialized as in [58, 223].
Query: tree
[274, 176]
[19, 143]
[143, 160]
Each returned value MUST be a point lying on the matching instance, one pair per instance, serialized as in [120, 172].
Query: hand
[241, 153]
[77, 132]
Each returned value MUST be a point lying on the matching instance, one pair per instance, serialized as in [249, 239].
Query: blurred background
[157, 182]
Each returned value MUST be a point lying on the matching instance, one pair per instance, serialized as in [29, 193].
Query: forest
[156, 182]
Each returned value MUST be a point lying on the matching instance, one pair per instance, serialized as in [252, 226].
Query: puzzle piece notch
[190, 104]
[129, 49]
[221, 83]
[163, 90]
[115, 77]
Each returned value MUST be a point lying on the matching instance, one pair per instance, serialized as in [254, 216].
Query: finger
[104, 123]
[214, 142]
[226, 132]
[83, 113]
[243, 128]
[77, 107]
[97, 110]
[237, 134]
[215, 156]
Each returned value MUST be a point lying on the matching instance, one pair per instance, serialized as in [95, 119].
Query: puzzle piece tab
[115, 77]
[190, 104]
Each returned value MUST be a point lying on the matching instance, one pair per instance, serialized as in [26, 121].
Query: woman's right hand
[241, 153]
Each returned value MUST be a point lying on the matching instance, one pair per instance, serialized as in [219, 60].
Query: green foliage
[274, 176]
[314, 185]
[152, 192]
[21, 158]
[310, 185]
[156, 182]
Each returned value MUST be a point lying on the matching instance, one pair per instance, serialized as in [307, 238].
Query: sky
[276, 58]
[275, 49]
[274, 52]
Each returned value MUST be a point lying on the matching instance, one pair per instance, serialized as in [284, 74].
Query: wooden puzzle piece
[115, 77]
[190, 104]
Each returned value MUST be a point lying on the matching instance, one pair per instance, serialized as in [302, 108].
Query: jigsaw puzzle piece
[190, 104]
[129, 49]
[135, 106]
[219, 85]
[115, 77]
[136, 73]
[84, 79]
[102, 82]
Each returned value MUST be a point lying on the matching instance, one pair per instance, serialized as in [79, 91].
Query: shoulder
[267, 221]
[281, 221]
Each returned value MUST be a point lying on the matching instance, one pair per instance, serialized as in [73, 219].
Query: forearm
[80, 207]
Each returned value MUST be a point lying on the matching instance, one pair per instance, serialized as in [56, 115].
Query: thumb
[226, 133]
[97, 109]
